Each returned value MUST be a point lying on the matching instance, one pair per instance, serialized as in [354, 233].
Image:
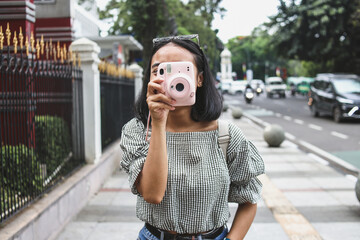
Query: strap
[224, 136]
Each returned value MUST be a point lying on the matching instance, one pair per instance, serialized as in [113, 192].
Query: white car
[225, 85]
[275, 86]
[237, 87]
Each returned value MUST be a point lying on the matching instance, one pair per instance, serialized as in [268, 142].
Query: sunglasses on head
[181, 37]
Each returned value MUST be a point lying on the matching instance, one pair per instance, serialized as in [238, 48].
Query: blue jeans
[144, 234]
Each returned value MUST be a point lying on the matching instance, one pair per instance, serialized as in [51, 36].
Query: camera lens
[161, 71]
[179, 87]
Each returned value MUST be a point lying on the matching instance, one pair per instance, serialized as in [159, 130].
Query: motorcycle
[249, 95]
[258, 91]
[293, 89]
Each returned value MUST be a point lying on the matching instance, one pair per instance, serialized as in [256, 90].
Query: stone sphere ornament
[225, 107]
[357, 188]
[274, 135]
[237, 113]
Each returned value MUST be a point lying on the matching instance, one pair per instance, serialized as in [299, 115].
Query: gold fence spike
[1, 38]
[70, 55]
[62, 55]
[8, 34]
[27, 45]
[50, 48]
[58, 50]
[32, 42]
[65, 51]
[79, 60]
[21, 38]
[42, 44]
[15, 41]
[74, 59]
[54, 53]
[38, 48]
[47, 50]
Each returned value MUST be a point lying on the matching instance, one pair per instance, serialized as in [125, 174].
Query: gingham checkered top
[201, 181]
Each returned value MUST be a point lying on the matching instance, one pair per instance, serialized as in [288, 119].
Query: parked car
[337, 95]
[225, 85]
[275, 86]
[237, 87]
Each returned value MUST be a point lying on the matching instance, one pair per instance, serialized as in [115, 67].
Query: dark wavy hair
[208, 104]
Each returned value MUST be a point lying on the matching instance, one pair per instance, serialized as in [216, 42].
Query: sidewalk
[303, 198]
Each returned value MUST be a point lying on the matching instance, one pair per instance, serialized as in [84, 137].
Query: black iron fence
[41, 120]
[117, 101]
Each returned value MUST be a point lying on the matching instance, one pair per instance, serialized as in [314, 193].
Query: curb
[334, 161]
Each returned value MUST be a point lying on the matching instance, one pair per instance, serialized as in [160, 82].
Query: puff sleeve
[244, 164]
[135, 149]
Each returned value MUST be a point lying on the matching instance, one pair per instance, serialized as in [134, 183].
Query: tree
[256, 52]
[147, 19]
[325, 32]
[142, 18]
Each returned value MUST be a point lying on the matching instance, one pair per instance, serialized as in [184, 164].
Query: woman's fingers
[155, 87]
[159, 106]
[160, 98]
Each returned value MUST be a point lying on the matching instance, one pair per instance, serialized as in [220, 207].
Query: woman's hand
[159, 104]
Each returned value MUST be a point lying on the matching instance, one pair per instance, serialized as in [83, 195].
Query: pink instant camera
[179, 82]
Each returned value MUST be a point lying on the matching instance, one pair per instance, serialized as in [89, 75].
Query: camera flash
[168, 68]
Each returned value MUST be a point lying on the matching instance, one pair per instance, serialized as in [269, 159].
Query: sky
[241, 17]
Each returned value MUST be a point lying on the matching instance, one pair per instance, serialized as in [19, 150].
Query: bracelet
[227, 239]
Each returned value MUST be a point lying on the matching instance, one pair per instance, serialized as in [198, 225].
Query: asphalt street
[293, 115]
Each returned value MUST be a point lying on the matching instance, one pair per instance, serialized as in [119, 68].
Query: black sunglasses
[181, 37]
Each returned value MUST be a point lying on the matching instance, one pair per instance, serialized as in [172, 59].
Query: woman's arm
[244, 217]
[152, 180]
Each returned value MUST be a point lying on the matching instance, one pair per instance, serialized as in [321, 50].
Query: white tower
[226, 67]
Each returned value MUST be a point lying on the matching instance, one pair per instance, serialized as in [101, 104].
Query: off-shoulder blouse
[201, 180]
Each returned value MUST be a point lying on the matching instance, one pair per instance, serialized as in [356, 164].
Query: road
[293, 114]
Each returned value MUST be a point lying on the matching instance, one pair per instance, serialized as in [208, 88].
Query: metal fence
[41, 122]
[117, 101]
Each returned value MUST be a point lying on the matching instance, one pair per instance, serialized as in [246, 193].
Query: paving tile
[116, 231]
[124, 199]
[293, 183]
[346, 198]
[261, 231]
[328, 214]
[105, 198]
[339, 182]
[77, 230]
[338, 231]
[311, 198]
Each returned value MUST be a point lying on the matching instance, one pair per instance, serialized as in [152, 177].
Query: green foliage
[256, 52]
[53, 141]
[325, 32]
[21, 175]
[147, 19]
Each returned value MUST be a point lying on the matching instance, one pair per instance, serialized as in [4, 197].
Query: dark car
[337, 95]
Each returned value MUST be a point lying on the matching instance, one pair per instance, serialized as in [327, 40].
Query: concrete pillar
[226, 66]
[138, 71]
[88, 51]
[55, 20]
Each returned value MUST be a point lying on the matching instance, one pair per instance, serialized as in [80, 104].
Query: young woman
[181, 176]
